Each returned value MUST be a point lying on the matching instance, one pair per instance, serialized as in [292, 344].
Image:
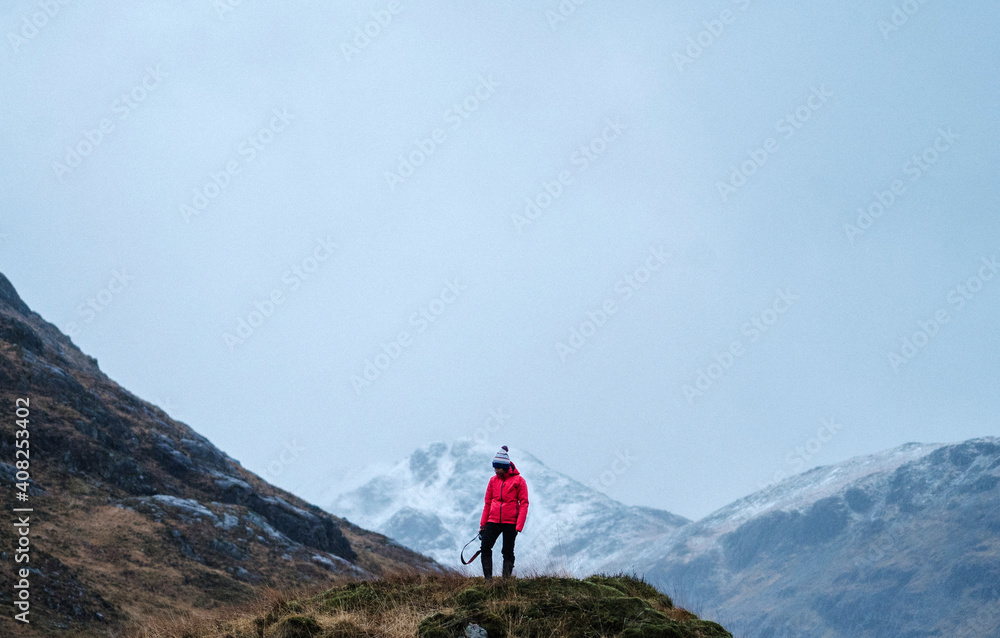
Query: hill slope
[453, 607]
[136, 515]
[904, 543]
[432, 501]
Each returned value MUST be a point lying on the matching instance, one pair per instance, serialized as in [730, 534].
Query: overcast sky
[324, 234]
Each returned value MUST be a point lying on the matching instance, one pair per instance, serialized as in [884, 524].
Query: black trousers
[490, 534]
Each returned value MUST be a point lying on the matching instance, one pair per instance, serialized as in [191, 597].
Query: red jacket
[506, 500]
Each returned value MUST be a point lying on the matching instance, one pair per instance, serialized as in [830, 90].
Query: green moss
[471, 596]
[437, 625]
[603, 606]
[695, 629]
[442, 625]
[593, 616]
[632, 586]
[295, 627]
[353, 597]
[660, 630]
[549, 585]
[598, 606]
[374, 595]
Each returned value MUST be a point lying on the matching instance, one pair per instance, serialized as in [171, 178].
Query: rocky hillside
[905, 543]
[431, 502]
[458, 607]
[137, 516]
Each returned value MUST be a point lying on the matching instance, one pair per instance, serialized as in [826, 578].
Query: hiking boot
[508, 568]
[487, 560]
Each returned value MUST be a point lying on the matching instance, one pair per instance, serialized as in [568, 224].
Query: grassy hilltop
[430, 606]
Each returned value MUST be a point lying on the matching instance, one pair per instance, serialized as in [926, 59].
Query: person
[504, 512]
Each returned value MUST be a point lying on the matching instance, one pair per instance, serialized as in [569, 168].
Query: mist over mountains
[283, 189]
[903, 543]
[432, 501]
[670, 240]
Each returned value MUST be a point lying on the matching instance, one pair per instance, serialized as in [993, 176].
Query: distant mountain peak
[902, 543]
[801, 490]
[431, 501]
[10, 298]
[891, 543]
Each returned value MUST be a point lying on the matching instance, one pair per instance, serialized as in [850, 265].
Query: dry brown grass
[209, 623]
[385, 619]
[395, 607]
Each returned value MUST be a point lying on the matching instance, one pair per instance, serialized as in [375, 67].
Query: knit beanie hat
[501, 459]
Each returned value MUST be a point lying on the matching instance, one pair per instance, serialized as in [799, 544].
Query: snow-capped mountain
[900, 544]
[903, 543]
[798, 493]
[432, 501]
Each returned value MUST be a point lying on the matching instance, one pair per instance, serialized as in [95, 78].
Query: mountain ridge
[135, 514]
[905, 542]
[762, 563]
